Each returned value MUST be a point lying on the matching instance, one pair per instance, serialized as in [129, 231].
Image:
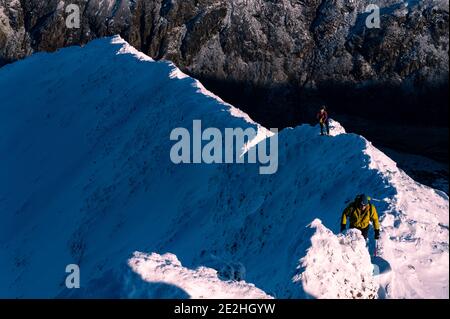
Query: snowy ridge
[176, 73]
[415, 232]
[86, 178]
[200, 283]
[337, 266]
[128, 49]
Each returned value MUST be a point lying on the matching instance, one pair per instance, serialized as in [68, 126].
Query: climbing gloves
[377, 234]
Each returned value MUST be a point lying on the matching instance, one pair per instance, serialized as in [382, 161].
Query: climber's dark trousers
[364, 231]
[325, 125]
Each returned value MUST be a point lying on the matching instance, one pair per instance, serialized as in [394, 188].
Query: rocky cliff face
[277, 59]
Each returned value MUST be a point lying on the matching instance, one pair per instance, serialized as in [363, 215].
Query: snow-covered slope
[337, 266]
[200, 283]
[86, 178]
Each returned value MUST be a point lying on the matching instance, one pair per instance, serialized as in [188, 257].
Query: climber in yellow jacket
[360, 213]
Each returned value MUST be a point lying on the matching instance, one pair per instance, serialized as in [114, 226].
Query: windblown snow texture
[85, 178]
[200, 283]
[337, 266]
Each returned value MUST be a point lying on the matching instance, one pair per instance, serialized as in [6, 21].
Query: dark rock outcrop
[277, 59]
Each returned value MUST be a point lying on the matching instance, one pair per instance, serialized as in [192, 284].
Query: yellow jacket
[360, 219]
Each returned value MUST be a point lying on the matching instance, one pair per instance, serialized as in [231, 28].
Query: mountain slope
[201, 283]
[86, 178]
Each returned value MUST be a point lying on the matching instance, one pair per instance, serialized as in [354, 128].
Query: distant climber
[360, 213]
[322, 116]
